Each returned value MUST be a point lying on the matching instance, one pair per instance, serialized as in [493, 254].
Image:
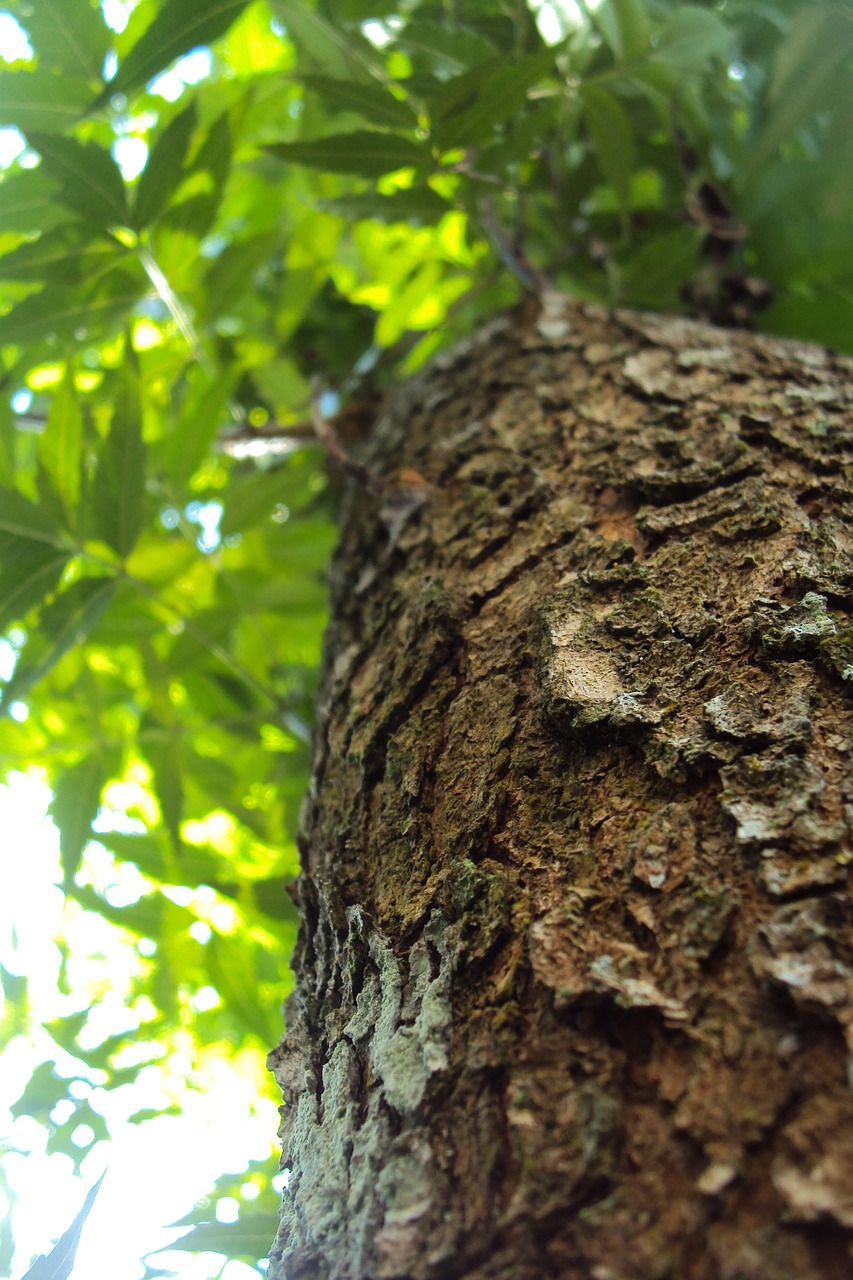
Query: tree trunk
[574, 989]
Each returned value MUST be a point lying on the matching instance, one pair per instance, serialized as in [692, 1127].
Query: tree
[574, 849]
[573, 974]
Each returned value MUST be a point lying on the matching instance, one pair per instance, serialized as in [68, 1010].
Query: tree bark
[574, 990]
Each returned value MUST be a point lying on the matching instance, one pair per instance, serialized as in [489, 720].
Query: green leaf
[371, 101]
[452, 47]
[38, 100]
[64, 623]
[68, 36]
[194, 867]
[203, 415]
[164, 170]
[55, 314]
[165, 756]
[119, 486]
[692, 36]
[59, 1263]
[417, 204]
[177, 28]
[32, 556]
[232, 272]
[146, 916]
[611, 132]
[337, 51]
[212, 162]
[625, 26]
[206, 635]
[809, 74]
[252, 499]
[23, 519]
[61, 442]
[360, 152]
[28, 202]
[90, 181]
[29, 571]
[74, 807]
[67, 255]
[249, 1238]
[473, 103]
[233, 973]
[7, 443]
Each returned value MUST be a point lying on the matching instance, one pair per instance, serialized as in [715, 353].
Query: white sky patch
[130, 154]
[8, 658]
[14, 43]
[11, 144]
[556, 18]
[116, 13]
[188, 70]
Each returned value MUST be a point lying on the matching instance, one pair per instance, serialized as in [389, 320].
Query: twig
[327, 436]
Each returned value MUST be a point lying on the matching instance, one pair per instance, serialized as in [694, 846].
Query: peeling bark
[575, 975]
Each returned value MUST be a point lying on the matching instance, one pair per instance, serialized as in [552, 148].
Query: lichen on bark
[574, 989]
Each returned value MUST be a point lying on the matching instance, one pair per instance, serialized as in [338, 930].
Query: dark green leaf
[146, 917]
[33, 556]
[89, 180]
[249, 1238]
[164, 170]
[360, 152]
[61, 442]
[809, 73]
[204, 414]
[473, 103]
[74, 807]
[59, 1263]
[28, 203]
[252, 499]
[610, 129]
[64, 623]
[68, 36]
[29, 573]
[166, 759]
[371, 101]
[213, 160]
[233, 973]
[7, 444]
[192, 868]
[625, 26]
[324, 43]
[37, 100]
[24, 519]
[453, 47]
[67, 255]
[205, 635]
[59, 313]
[119, 488]
[177, 28]
[232, 272]
[416, 204]
[692, 36]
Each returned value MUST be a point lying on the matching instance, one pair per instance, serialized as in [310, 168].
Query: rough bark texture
[575, 975]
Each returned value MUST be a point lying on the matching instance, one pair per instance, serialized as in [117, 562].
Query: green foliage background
[348, 186]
